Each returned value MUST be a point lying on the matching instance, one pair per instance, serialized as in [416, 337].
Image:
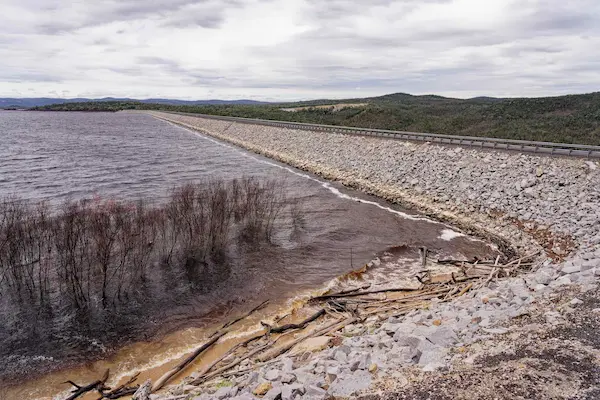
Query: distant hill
[565, 119]
[46, 101]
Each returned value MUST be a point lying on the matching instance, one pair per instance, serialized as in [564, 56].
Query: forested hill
[17, 103]
[567, 119]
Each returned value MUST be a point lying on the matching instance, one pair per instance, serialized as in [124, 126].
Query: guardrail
[565, 149]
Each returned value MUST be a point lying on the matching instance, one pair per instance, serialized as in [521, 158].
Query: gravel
[522, 201]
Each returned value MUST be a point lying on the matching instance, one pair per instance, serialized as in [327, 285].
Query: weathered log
[143, 393]
[353, 294]
[126, 391]
[227, 367]
[97, 385]
[285, 347]
[179, 367]
[456, 262]
[287, 327]
[122, 390]
[411, 297]
[228, 353]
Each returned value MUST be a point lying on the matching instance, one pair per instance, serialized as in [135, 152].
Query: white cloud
[297, 49]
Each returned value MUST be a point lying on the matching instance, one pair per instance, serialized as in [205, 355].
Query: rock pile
[531, 201]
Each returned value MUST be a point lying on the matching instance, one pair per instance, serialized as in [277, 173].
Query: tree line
[562, 119]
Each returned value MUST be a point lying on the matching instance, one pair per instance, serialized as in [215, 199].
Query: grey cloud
[337, 47]
[211, 21]
[133, 71]
[208, 13]
[334, 9]
[190, 75]
[576, 16]
[28, 76]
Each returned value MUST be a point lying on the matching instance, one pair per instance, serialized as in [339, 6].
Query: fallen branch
[285, 347]
[410, 297]
[301, 325]
[179, 367]
[525, 257]
[122, 390]
[339, 326]
[228, 353]
[465, 289]
[353, 294]
[97, 385]
[227, 367]
[410, 306]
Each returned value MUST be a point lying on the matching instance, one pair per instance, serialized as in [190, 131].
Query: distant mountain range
[45, 101]
[565, 119]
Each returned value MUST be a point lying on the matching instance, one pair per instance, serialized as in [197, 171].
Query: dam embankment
[533, 330]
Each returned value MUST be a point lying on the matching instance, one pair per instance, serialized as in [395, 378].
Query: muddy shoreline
[161, 330]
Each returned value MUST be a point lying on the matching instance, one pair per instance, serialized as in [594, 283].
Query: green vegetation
[567, 119]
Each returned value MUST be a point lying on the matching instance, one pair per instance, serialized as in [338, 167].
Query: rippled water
[58, 156]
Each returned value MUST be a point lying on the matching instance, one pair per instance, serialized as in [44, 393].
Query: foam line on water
[326, 185]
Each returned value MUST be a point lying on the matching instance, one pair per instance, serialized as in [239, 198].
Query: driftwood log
[300, 325]
[121, 390]
[143, 393]
[229, 352]
[179, 367]
[339, 309]
[96, 385]
[354, 294]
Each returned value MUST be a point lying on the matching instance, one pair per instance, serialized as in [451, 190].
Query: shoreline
[570, 267]
[422, 204]
[362, 199]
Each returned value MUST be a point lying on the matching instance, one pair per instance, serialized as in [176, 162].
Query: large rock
[407, 340]
[287, 364]
[443, 336]
[347, 385]
[273, 375]
[262, 389]
[288, 378]
[222, 393]
[244, 396]
[543, 277]
[433, 358]
[273, 394]
[519, 290]
[590, 264]
[340, 356]
[315, 393]
[570, 268]
[403, 355]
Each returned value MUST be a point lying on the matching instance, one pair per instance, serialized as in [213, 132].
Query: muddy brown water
[54, 156]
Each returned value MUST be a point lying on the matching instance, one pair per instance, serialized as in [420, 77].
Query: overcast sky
[297, 49]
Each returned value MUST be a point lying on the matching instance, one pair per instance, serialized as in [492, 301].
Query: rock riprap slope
[536, 330]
